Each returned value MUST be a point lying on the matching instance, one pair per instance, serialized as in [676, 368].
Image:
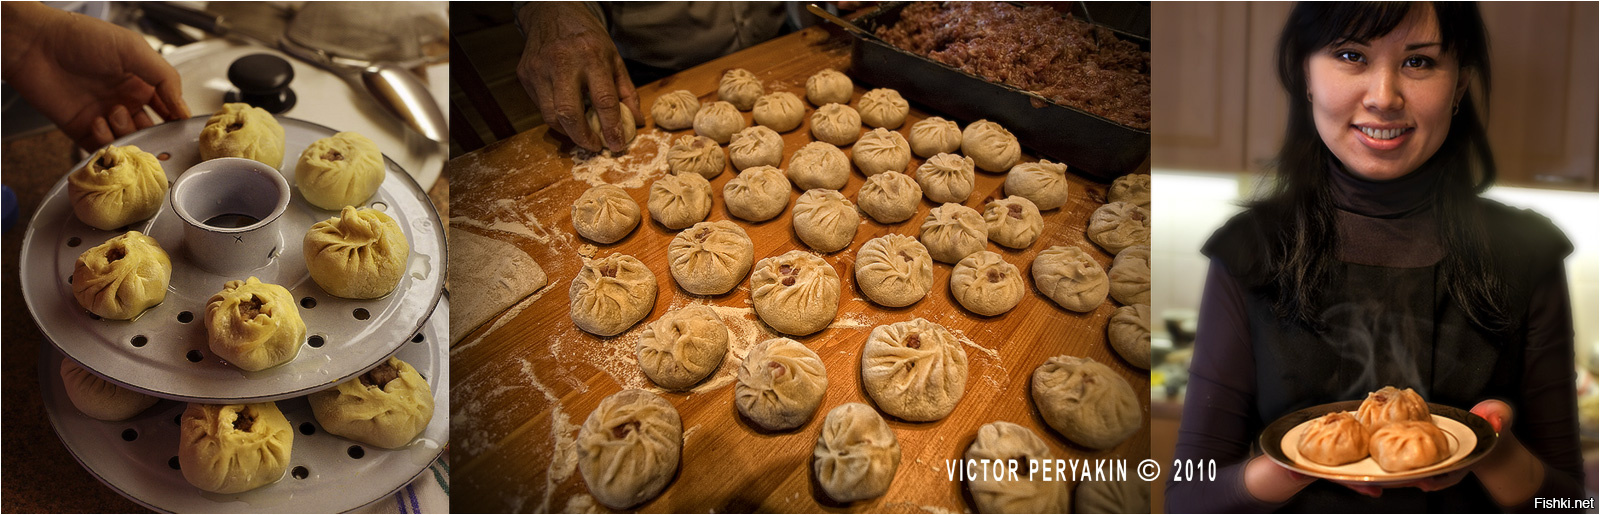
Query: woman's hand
[568, 51]
[1268, 481]
[92, 78]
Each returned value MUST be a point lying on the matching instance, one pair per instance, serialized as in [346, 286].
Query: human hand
[1268, 481]
[91, 78]
[568, 51]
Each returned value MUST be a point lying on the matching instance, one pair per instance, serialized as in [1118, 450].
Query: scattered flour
[646, 159]
[564, 452]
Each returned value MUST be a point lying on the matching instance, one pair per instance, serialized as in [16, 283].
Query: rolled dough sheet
[490, 275]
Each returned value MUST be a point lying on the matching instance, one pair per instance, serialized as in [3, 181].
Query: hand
[92, 78]
[1268, 481]
[567, 52]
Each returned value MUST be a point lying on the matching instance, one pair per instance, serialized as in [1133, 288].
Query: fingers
[603, 96]
[1497, 412]
[99, 135]
[567, 105]
[121, 123]
[630, 98]
[144, 63]
[1367, 490]
[141, 119]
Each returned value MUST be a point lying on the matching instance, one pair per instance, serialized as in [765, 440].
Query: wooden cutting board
[527, 379]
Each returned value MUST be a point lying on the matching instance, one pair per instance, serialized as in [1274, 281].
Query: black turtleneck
[1387, 223]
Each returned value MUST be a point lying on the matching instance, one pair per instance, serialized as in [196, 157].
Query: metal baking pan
[1094, 146]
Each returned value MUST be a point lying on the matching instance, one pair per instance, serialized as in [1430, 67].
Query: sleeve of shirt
[1547, 420]
[1219, 409]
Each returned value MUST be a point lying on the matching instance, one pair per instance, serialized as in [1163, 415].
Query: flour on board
[646, 159]
[564, 452]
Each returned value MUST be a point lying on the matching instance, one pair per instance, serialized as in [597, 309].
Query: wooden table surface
[527, 379]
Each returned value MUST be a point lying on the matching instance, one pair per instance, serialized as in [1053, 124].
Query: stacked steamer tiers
[192, 372]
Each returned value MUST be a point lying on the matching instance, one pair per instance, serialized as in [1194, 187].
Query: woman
[1374, 262]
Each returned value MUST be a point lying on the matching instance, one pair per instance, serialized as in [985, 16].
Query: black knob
[263, 81]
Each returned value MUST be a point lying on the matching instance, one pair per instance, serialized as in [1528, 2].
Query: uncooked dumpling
[986, 284]
[606, 214]
[1129, 332]
[755, 146]
[118, 186]
[819, 165]
[758, 194]
[894, 270]
[344, 169]
[782, 111]
[1390, 404]
[829, 87]
[232, 448]
[1130, 275]
[1409, 444]
[856, 455]
[698, 155]
[718, 121]
[610, 294]
[122, 277]
[682, 347]
[1333, 439]
[385, 407]
[1043, 182]
[1133, 188]
[1130, 496]
[838, 124]
[796, 293]
[1013, 222]
[628, 448]
[990, 146]
[890, 197]
[881, 150]
[1119, 225]
[915, 370]
[675, 110]
[946, 178]
[740, 88]
[1006, 442]
[781, 383]
[883, 107]
[625, 120]
[825, 220]
[1071, 277]
[710, 258]
[953, 231]
[360, 254]
[254, 325]
[679, 201]
[1086, 401]
[935, 135]
[98, 398]
[239, 130]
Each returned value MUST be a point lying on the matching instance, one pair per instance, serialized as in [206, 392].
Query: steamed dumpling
[232, 448]
[1086, 401]
[755, 146]
[612, 293]
[1133, 188]
[682, 347]
[1390, 404]
[758, 194]
[675, 110]
[118, 186]
[344, 169]
[915, 370]
[953, 231]
[239, 130]
[894, 270]
[838, 124]
[990, 146]
[1119, 225]
[718, 121]
[986, 284]
[1409, 444]
[740, 88]
[625, 120]
[360, 254]
[1130, 275]
[1333, 439]
[881, 150]
[1071, 277]
[889, 197]
[1129, 332]
[934, 135]
[796, 293]
[782, 111]
[856, 455]
[1026, 493]
[1013, 222]
[819, 165]
[606, 214]
[254, 325]
[697, 155]
[825, 220]
[829, 87]
[946, 178]
[628, 448]
[883, 107]
[1043, 182]
[98, 398]
[679, 201]
[386, 407]
[781, 383]
[121, 278]
[710, 258]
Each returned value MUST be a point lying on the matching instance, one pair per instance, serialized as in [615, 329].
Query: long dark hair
[1303, 250]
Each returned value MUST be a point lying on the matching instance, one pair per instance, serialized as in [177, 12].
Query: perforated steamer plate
[137, 457]
[164, 352]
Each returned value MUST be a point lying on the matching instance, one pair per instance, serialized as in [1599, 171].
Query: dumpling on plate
[1408, 444]
[1333, 439]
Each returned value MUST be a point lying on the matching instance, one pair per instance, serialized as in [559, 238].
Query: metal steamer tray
[164, 352]
[138, 457]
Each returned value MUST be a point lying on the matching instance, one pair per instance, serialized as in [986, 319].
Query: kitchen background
[1218, 119]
